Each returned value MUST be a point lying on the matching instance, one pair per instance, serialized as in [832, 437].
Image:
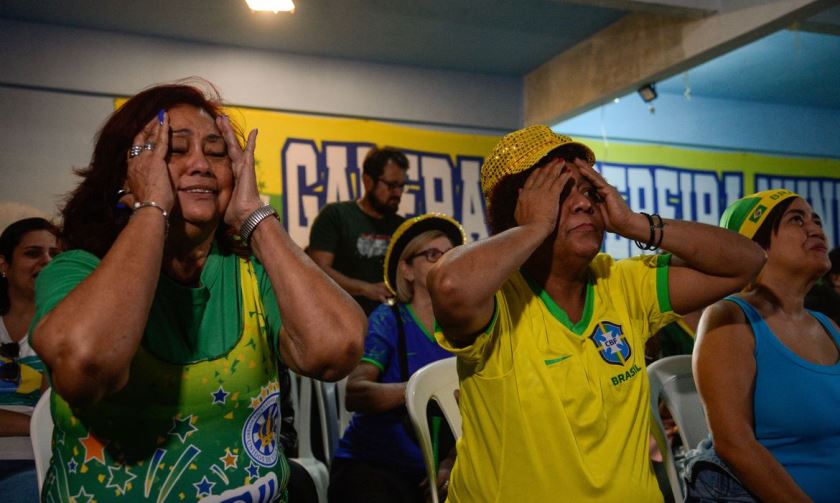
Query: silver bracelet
[151, 204]
[253, 220]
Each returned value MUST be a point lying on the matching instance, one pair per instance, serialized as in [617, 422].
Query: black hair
[770, 226]
[834, 256]
[9, 240]
[378, 158]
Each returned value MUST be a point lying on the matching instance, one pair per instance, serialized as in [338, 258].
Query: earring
[120, 193]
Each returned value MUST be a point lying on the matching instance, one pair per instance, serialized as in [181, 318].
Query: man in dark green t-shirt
[349, 238]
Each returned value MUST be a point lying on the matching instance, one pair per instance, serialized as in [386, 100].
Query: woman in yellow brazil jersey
[550, 333]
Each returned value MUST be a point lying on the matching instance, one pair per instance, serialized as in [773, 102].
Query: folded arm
[14, 424]
[366, 394]
[356, 287]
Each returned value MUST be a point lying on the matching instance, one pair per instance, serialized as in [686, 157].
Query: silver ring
[136, 150]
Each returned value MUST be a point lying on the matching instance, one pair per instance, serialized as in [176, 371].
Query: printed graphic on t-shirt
[372, 245]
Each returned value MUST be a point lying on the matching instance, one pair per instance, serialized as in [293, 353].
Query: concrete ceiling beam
[680, 8]
[642, 48]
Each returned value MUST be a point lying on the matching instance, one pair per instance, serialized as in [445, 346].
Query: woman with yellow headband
[378, 459]
[767, 368]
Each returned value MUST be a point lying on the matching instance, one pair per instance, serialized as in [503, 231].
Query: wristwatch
[253, 220]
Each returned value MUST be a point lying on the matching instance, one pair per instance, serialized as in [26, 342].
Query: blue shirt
[381, 439]
[795, 408]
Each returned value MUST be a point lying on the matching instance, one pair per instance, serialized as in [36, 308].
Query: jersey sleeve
[325, 232]
[645, 284]
[59, 278]
[478, 351]
[380, 343]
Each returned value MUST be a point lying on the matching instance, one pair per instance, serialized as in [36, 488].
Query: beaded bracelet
[652, 242]
[661, 227]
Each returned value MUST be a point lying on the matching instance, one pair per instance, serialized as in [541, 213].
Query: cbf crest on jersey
[611, 344]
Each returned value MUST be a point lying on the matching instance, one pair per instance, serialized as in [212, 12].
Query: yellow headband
[746, 215]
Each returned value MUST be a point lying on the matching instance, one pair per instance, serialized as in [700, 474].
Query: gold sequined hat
[518, 151]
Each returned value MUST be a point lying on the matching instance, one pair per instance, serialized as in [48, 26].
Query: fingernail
[160, 116]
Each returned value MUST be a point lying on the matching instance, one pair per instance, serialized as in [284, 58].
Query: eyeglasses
[432, 255]
[10, 371]
[392, 185]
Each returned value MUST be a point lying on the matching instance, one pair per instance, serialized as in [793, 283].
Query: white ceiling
[500, 37]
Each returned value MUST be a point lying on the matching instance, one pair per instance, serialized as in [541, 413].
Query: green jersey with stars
[199, 415]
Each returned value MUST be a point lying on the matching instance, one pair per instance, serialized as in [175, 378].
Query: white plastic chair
[40, 433]
[672, 381]
[327, 394]
[436, 381]
[303, 424]
[344, 415]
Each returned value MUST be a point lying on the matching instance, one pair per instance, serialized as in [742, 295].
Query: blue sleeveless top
[796, 406]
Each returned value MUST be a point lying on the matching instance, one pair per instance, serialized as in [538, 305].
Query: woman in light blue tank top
[767, 369]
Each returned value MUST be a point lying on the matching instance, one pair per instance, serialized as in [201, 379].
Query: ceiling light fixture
[647, 92]
[274, 6]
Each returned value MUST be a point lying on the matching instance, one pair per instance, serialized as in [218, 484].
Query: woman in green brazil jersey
[550, 333]
[162, 325]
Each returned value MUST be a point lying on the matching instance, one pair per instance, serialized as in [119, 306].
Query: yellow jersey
[559, 411]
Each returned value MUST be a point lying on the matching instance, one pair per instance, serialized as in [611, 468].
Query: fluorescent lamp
[274, 6]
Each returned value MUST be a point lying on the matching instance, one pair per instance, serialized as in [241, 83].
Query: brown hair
[92, 218]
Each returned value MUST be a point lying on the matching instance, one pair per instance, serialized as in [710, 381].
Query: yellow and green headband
[746, 215]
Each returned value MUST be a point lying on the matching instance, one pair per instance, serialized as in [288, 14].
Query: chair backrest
[304, 391]
[40, 433]
[344, 415]
[436, 381]
[303, 417]
[672, 381]
[327, 393]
